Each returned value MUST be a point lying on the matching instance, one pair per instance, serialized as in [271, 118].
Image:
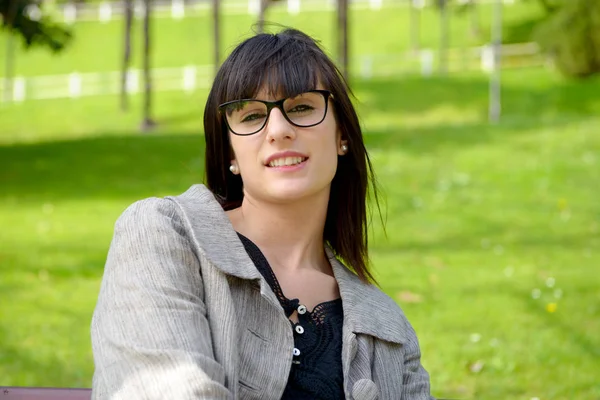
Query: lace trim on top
[316, 371]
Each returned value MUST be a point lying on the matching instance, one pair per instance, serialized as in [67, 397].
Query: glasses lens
[306, 109]
[246, 116]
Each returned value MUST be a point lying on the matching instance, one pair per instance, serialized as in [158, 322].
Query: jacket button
[296, 352]
[299, 329]
[301, 309]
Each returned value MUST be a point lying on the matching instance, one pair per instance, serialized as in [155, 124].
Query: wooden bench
[29, 393]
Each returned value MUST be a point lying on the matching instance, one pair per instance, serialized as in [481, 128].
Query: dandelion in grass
[551, 307]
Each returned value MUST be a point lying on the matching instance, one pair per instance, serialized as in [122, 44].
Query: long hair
[289, 63]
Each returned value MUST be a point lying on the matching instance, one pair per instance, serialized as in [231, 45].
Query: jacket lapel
[213, 233]
[367, 309]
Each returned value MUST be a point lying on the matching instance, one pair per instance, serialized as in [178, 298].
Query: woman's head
[303, 115]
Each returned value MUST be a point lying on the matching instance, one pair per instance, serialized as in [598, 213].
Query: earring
[234, 169]
[344, 148]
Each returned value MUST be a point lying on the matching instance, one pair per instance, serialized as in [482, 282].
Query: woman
[236, 289]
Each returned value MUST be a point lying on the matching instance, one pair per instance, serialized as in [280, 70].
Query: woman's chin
[287, 192]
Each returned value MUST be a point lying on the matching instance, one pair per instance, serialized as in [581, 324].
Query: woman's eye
[252, 117]
[301, 108]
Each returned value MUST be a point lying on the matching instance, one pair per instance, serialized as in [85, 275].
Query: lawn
[488, 227]
[190, 41]
[493, 231]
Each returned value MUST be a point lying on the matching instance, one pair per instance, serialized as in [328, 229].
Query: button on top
[296, 352]
[301, 309]
[299, 329]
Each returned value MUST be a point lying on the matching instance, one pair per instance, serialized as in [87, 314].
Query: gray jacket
[183, 313]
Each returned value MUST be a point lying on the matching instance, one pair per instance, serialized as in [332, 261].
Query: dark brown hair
[289, 63]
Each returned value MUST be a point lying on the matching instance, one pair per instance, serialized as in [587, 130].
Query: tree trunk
[128, 4]
[216, 34]
[495, 104]
[475, 24]
[261, 15]
[444, 36]
[9, 66]
[415, 27]
[343, 36]
[147, 123]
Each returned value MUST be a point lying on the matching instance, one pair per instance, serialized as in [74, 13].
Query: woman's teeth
[287, 161]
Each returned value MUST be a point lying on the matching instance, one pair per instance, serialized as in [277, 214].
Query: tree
[262, 9]
[23, 18]
[571, 36]
[128, 4]
[342, 24]
[216, 34]
[147, 123]
[444, 35]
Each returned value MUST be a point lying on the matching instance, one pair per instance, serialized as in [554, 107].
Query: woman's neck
[290, 235]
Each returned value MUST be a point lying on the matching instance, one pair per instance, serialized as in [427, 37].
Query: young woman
[256, 286]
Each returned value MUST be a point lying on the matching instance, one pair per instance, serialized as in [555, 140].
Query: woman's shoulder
[168, 209]
[369, 309]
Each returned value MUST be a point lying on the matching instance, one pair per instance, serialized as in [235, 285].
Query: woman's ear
[342, 147]
[234, 168]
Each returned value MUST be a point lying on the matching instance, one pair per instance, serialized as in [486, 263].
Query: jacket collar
[367, 310]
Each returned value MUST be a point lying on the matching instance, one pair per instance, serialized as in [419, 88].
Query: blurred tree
[147, 123]
[25, 19]
[128, 12]
[262, 9]
[216, 33]
[342, 24]
[571, 36]
[443, 5]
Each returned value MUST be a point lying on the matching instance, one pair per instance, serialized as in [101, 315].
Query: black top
[316, 371]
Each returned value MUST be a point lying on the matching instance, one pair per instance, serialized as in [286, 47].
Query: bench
[30, 393]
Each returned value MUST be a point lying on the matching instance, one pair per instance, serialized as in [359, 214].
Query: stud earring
[344, 148]
[234, 169]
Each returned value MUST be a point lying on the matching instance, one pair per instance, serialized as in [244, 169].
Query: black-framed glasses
[248, 116]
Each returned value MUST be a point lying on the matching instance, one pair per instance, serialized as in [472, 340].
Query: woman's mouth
[287, 161]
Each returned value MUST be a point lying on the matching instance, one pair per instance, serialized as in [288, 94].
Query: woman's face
[283, 163]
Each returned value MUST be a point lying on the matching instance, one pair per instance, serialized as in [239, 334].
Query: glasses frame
[276, 104]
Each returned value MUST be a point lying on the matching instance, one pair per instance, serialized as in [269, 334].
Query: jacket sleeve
[150, 335]
[415, 382]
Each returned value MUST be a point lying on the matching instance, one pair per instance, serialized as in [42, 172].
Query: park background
[492, 243]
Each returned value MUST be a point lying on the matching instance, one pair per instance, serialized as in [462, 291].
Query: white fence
[105, 11]
[190, 78]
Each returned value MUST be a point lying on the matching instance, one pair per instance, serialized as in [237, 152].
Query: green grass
[190, 41]
[478, 216]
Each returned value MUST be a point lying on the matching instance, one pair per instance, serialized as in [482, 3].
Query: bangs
[281, 65]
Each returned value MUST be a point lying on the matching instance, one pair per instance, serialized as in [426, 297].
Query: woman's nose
[278, 127]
